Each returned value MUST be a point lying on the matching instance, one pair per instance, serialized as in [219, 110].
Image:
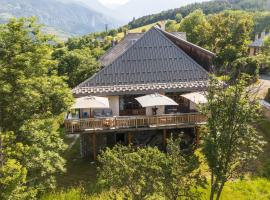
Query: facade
[256, 45]
[140, 64]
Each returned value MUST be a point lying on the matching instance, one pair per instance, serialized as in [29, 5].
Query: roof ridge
[185, 41]
[179, 49]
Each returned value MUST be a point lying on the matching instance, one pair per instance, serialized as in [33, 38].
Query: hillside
[66, 17]
[207, 7]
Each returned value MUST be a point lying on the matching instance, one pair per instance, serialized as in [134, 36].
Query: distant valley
[62, 18]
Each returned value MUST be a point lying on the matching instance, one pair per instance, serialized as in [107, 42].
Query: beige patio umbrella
[154, 100]
[195, 97]
[91, 102]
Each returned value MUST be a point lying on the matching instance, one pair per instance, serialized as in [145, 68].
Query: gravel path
[264, 85]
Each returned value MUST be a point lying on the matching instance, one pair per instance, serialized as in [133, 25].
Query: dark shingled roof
[152, 60]
[115, 51]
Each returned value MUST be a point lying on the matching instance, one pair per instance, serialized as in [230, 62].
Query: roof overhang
[141, 88]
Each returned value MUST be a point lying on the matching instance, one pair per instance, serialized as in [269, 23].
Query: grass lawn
[80, 181]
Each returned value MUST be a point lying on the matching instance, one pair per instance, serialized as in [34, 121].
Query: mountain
[65, 16]
[208, 7]
[139, 8]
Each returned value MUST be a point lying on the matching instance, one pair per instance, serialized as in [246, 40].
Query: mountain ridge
[69, 17]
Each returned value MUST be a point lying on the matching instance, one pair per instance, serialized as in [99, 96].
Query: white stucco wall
[114, 104]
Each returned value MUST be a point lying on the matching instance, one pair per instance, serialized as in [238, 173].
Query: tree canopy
[33, 100]
[231, 141]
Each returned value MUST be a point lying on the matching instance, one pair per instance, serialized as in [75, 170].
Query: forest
[38, 71]
[210, 7]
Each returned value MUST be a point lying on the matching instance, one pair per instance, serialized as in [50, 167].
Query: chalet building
[257, 44]
[158, 63]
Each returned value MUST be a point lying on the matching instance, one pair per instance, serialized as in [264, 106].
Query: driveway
[264, 85]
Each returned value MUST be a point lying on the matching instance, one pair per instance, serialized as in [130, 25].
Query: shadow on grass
[81, 173]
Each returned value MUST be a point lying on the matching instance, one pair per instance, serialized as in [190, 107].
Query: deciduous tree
[196, 27]
[231, 141]
[33, 99]
[182, 175]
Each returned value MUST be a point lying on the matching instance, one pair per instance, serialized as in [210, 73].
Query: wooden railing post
[164, 139]
[129, 138]
[197, 135]
[94, 143]
[133, 122]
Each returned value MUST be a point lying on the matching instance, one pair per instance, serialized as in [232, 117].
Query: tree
[33, 99]
[230, 36]
[178, 17]
[146, 171]
[247, 65]
[12, 173]
[172, 26]
[182, 175]
[263, 58]
[266, 46]
[77, 65]
[231, 141]
[138, 171]
[196, 27]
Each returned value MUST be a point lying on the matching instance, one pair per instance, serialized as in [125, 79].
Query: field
[137, 30]
[80, 180]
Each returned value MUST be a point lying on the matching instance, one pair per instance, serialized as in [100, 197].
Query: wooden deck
[134, 123]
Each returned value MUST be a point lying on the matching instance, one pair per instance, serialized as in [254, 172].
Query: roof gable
[152, 59]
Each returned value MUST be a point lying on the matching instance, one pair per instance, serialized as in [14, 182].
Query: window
[130, 106]
[183, 104]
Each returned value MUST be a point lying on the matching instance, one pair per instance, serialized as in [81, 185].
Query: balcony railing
[133, 122]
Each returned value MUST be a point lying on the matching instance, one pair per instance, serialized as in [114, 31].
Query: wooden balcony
[134, 123]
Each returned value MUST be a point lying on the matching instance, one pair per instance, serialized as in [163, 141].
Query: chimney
[257, 36]
[113, 42]
[263, 34]
[163, 25]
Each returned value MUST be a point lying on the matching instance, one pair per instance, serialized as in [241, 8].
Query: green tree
[266, 46]
[178, 17]
[230, 36]
[182, 175]
[12, 173]
[33, 99]
[196, 27]
[147, 171]
[231, 141]
[247, 65]
[172, 26]
[263, 57]
[137, 171]
[77, 65]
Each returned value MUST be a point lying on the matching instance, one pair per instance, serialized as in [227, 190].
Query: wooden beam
[94, 143]
[164, 140]
[129, 138]
[197, 136]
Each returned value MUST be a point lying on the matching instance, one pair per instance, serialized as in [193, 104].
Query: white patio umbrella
[91, 102]
[195, 97]
[153, 100]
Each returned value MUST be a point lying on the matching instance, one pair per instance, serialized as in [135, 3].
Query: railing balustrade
[115, 123]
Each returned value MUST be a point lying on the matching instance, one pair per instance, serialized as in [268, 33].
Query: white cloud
[115, 2]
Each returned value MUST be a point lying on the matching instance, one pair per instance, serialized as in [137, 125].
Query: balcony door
[183, 104]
